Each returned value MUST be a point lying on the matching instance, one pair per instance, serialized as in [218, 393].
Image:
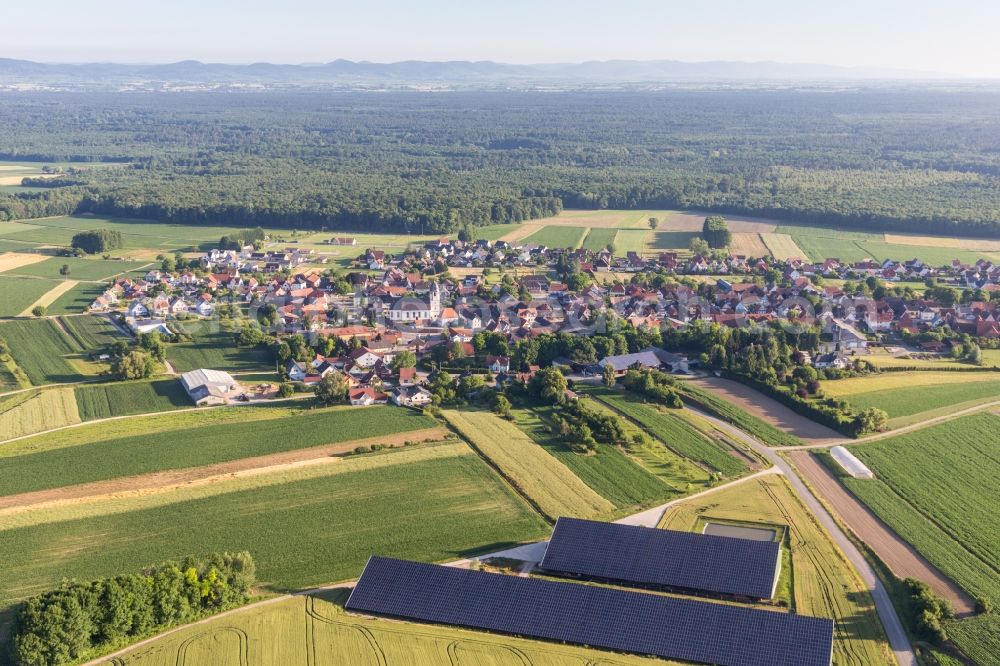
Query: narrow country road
[898, 640]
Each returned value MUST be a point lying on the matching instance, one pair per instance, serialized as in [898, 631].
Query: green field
[673, 431]
[305, 527]
[917, 400]
[851, 246]
[558, 237]
[99, 401]
[599, 239]
[79, 268]
[631, 240]
[495, 231]
[671, 240]
[217, 351]
[91, 331]
[39, 347]
[936, 487]
[27, 468]
[550, 484]
[77, 299]
[608, 471]
[18, 294]
[335, 638]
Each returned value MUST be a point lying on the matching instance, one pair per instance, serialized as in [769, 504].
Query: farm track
[158, 482]
[901, 558]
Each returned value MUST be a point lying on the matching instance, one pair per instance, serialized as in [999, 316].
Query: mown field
[99, 401]
[550, 484]
[608, 471]
[908, 397]
[273, 634]
[936, 487]
[91, 331]
[217, 351]
[631, 240]
[823, 583]
[674, 432]
[39, 348]
[77, 299]
[17, 294]
[305, 526]
[44, 462]
[599, 239]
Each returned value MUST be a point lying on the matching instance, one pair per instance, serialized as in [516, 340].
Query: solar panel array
[621, 620]
[663, 558]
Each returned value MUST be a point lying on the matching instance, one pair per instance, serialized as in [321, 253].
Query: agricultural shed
[209, 387]
[850, 463]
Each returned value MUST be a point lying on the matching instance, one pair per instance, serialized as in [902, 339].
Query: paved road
[898, 640]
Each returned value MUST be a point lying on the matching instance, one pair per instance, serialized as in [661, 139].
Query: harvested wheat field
[11, 260]
[782, 246]
[973, 244]
[748, 245]
[693, 221]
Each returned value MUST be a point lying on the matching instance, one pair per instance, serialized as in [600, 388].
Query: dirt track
[144, 484]
[769, 410]
[898, 555]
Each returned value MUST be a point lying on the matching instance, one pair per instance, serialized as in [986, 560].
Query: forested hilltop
[925, 161]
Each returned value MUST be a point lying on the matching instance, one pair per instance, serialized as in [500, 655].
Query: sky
[957, 37]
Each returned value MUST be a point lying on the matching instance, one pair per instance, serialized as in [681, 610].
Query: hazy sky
[951, 36]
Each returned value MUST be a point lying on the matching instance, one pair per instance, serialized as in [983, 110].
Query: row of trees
[84, 619]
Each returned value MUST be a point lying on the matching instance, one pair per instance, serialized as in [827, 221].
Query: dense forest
[877, 159]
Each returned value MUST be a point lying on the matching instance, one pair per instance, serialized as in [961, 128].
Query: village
[411, 303]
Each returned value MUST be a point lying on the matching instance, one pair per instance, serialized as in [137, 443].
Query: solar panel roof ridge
[656, 531]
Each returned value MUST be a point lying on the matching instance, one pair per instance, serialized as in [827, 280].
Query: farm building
[651, 357]
[850, 463]
[210, 387]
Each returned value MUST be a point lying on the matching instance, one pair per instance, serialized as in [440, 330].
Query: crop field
[631, 240]
[782, 247]
[16, 294]
[554, 489]
[608, 471]
[217, 351]
[732, 414]
[598, 239]
[154, 451]
[823, 584]
[906, 398]
[559, 237]
[98, 401]
[77, 299]
[748, 245]
[670, 240]
[881, 358]
[821, 243]
[11, 260]
[273, 634]
[936, 487]
[38, 347]
[91, 331]
[674, 432]
[80, 268]
[305, 526]
[34, 411]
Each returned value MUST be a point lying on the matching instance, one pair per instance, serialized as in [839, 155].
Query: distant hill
[459, 73]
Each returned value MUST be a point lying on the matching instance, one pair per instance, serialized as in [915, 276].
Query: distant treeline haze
[877, 159]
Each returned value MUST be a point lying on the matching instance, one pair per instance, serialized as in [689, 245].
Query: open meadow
[538, 475]
[273, 634]
[305, 525]
[822, 582]
[936, 488]
[218, 350]
[80, 268]
[42, 350]
[18, 294]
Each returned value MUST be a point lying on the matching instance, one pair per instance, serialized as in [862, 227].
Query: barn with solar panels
[666, 560]
[641, 623]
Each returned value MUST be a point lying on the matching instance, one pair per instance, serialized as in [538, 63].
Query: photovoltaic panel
[683, 561]
[621, 620]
